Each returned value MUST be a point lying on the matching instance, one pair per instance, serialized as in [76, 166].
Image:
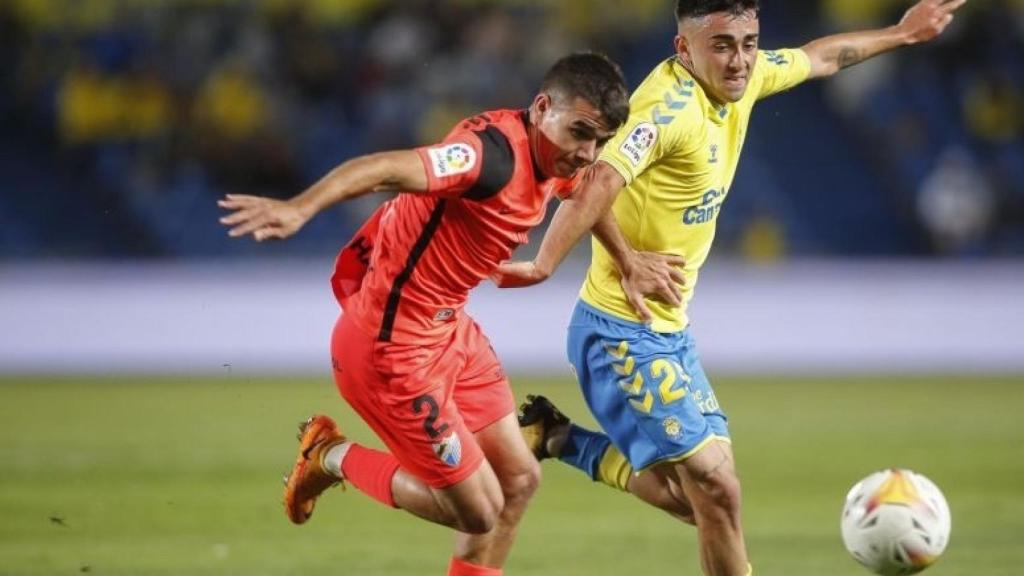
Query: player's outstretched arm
[575, 216]
[923, 22]
[267, 218]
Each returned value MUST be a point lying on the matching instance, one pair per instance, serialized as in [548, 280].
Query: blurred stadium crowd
[123, 120]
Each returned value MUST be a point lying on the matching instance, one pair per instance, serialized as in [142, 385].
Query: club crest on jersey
[672, 427]
[452, 159]
[639, 142]
[449, 450]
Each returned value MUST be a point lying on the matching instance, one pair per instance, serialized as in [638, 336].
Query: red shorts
[424, 401]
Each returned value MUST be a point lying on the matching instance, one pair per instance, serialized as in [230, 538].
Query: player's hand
[927, 19]
[653, 275]
[517, 274]
[264, 218]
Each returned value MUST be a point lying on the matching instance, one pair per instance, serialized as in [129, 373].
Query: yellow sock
[614, 470]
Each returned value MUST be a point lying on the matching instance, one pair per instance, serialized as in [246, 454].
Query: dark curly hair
[595, 78]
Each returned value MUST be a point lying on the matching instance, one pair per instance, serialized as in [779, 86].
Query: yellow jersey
[678, 154]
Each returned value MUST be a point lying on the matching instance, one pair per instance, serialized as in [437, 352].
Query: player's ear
[541, 104]
[683, 51]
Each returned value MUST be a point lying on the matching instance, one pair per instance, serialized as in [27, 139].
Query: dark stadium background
[862, 307]
[124, 120]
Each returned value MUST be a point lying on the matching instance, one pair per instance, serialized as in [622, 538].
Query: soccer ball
[895, 522]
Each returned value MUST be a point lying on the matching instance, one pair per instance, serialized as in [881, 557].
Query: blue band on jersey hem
[609, 317]
[622, 321]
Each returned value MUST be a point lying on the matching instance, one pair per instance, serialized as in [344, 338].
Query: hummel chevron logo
[618, 352]
[672, 103]
[644, 406]
[632, 388]
[658, 118]
[677, 101]
[627, 367]
[775, 58]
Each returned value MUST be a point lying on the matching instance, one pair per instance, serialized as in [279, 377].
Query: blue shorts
[646, 389]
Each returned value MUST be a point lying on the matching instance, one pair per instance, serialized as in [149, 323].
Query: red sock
[459, 567]
[371, 472]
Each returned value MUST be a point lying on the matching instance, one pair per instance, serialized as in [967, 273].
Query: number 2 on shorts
[433, 411]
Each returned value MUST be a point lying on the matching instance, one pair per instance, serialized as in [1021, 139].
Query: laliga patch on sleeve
[639, 142]
[452, 159]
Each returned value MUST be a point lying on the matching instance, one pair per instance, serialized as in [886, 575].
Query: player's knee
[723, 488]
[477, 524]
[518, 487]
[479, 515]
[478, 520]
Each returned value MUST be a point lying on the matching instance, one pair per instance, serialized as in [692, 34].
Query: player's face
[567, 135]
[720, 49]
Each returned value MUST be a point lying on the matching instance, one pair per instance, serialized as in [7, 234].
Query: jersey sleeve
[781, 70]
[471, 164]
[657, 121]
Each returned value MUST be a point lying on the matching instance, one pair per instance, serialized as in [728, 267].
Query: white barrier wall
[247, 317]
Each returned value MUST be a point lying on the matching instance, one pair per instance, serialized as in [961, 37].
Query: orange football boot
[308, 479]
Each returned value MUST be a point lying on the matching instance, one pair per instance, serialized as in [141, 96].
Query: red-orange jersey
[406, 275]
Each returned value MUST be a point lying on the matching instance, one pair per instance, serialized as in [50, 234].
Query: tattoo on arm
[848, 56]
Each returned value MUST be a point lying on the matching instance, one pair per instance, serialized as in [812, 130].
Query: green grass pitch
[183, 477]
